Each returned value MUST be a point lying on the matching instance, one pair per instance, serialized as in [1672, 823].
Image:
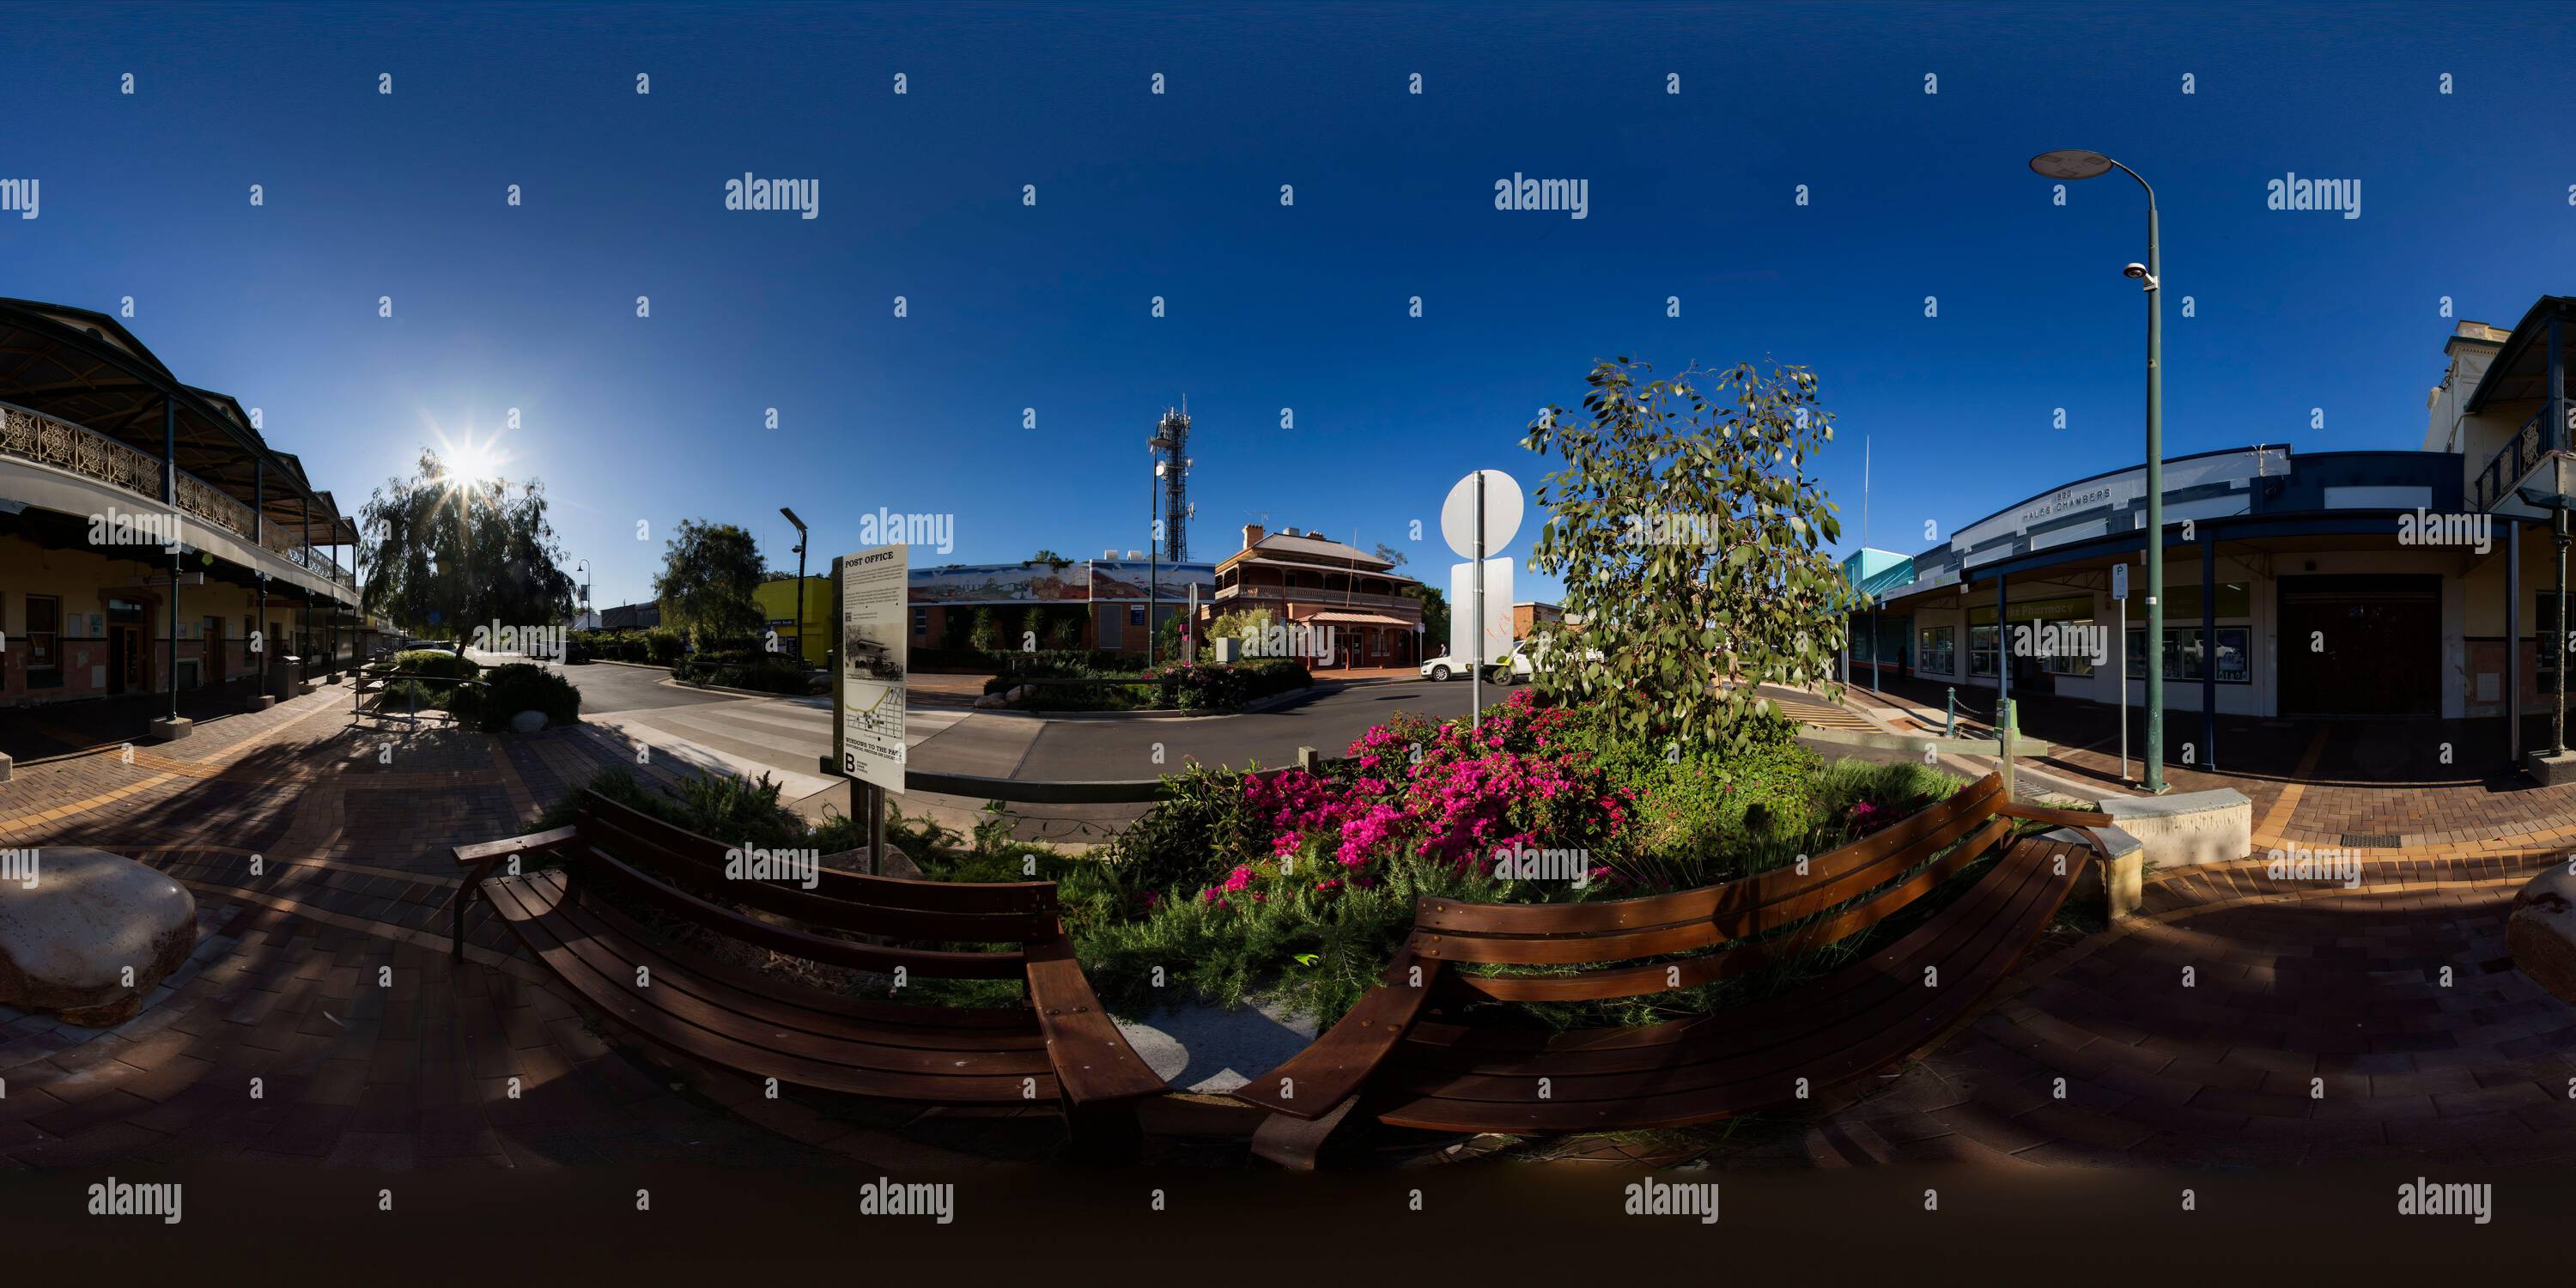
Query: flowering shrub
[1435, 793]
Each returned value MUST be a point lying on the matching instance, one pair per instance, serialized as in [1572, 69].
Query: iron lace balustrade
[2540, 435]
[48, 440]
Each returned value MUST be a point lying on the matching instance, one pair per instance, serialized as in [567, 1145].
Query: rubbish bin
[284, 669]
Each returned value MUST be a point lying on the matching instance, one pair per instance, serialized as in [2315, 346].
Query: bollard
[2008, 732]
[1950, 728]
[1307, 760]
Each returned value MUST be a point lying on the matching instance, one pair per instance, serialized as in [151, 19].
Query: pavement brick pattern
[2321, 1023]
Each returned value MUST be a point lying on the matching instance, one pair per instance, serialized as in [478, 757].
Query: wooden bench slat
[622, 1001]
[1964, 809]
[698, 864]
[1059, 1048]
[674, 991]
[787, 1004]
[1331, 1067]
[1092, 1060]
[937, 963]
[1637, 981]
[1793, 1011]
[995, 898]
[1897, 1016]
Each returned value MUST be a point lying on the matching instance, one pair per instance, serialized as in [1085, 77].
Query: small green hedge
[436, 662]
[745, 669]
[522, 686]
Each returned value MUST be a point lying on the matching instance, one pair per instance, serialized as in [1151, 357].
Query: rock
[991, 700]
[897, 863]
[1021, 693]
[2540, 934]
[528, 722]
[68, 936]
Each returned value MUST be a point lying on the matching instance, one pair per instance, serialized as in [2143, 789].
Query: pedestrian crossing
[786, 740]
[1820, 716]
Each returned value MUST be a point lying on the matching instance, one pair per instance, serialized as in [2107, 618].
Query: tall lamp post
[582, 566]
[800, 581]
[2076, 163]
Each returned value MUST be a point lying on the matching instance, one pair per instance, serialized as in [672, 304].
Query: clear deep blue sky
[2464, 195]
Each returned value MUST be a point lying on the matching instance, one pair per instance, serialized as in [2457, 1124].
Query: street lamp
[2072, 164]
[800, 580]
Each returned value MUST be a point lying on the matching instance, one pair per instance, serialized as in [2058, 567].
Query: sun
[470, 464]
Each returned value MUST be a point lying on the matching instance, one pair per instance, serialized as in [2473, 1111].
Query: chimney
[1252, 535]
[1109, 554]
[1287, 532]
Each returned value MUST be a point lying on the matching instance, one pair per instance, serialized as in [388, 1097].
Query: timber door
[2361, 646]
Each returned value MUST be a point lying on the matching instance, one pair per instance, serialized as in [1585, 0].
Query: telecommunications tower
[1171, 444]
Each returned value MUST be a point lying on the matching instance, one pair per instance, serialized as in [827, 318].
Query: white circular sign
[1502, 513]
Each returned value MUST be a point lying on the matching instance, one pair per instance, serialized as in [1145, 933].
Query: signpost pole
[2120, 594]
[841, 702]
[1476, 664]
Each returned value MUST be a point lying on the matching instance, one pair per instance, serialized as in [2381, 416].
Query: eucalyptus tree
[443, 551]
[1690, 539]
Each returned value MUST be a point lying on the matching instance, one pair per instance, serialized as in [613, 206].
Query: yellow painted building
[777, 601]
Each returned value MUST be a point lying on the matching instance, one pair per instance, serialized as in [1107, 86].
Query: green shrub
[521, 686]
[1191, 838]
[663, 646]
[436, 662]
[719, 807]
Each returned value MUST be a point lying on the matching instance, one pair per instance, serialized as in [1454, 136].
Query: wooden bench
[1412, 1054]
[1061, 1049]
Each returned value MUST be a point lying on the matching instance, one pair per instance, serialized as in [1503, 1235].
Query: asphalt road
[607, 687]
[1328, 722]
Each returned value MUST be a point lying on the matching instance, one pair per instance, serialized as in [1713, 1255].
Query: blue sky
[1047, 307]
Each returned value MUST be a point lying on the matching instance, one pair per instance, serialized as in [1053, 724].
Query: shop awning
[1359, 619]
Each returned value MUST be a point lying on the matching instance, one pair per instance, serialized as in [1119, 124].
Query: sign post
[868, 693]
[2120, 593]
[1481, 515]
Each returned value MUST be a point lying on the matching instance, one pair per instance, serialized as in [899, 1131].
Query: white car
[1510, 669]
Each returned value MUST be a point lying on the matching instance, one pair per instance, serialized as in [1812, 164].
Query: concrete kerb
[1272, 703]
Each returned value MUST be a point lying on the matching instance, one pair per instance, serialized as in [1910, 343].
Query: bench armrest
[1091, 1057]
[2081, 821]
[532, 843]
[479, 860]
[1333, 1068]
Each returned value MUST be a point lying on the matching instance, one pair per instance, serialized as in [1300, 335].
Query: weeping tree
[1690, 540]
[443, 551]
[710, 572]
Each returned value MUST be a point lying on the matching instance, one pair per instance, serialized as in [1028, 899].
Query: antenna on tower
[1170, 444]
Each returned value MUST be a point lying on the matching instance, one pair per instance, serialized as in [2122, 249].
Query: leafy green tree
[443, 553]
[1690, 541]
[1050, 558]
[709, 573]
[986, 634]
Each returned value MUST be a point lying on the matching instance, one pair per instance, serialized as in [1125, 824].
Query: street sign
[1496, 640]
[1502, 514]
[2119, 581]
[870, 696]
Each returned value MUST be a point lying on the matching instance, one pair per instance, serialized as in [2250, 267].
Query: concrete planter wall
[2188, 828]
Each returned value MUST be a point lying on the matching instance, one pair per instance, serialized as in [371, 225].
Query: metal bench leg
[1294, 1142]
[464, 897]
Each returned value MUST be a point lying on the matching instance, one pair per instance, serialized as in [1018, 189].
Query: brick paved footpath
[352, 830]
[2321, 1024]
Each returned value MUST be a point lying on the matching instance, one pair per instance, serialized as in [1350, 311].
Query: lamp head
[2070, 163]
